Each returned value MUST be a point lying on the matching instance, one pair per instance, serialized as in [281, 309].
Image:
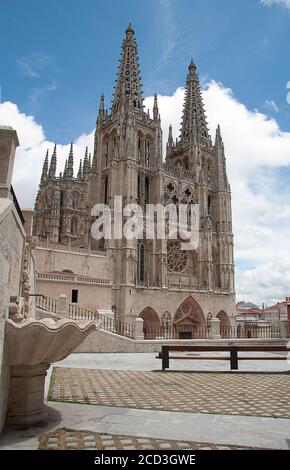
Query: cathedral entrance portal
[189, 321]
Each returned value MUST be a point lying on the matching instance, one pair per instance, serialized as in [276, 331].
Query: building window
[146, 199]
[141, 263]
[147, 153]
[209, 201]
[107, 154]
[106, 190]
[74, 296]
[75, 200]
[73, 226]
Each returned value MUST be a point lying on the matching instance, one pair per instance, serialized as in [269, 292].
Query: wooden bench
[232, 357]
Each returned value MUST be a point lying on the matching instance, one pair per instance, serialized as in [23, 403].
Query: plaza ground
[124, 401]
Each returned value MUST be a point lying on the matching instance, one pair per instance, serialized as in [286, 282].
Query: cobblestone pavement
[252, 394]
[68, 439]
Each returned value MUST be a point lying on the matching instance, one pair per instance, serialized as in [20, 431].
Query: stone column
[215, 331]
[139, 333]
[61, 305]
[26, 395]
[284, 328]
[8, 143]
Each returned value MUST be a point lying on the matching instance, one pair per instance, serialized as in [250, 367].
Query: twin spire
[194, 125]
[49, 171]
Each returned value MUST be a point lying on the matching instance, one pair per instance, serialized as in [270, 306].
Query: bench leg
[165, 359]
[234, 359]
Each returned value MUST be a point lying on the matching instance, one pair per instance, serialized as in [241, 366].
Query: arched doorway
[189, 321]
[225, 324]
[152, 327]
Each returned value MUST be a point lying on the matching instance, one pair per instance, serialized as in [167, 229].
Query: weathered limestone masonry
[27, 345]
[12, 239]
[152, 279]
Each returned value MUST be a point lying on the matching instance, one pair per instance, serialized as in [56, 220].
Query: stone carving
[176, 258]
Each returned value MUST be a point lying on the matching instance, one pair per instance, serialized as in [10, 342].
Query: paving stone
[175, 391]
[57, 439]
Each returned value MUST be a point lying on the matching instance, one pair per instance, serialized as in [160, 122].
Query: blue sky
[58, 57]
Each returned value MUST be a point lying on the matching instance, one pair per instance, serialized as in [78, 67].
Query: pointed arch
[152, 323]
[224, 318]
[189, 312]
[224, 324]
[189, 320]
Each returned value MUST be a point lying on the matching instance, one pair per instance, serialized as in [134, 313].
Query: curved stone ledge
[44, 341]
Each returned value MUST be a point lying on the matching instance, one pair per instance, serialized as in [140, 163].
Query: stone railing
[46, 303]
[72, 278]
[178, 172]
[118, 327]
[73, 249]
[80, 313]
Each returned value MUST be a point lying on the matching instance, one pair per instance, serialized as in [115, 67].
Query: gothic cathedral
[154, 279]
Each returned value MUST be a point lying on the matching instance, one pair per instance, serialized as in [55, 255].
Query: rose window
[176, 257]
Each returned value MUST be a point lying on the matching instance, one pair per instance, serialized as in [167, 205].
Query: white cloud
[271, 104]
[284, 3]
[30, 155]
[33, 65]
[256, 150]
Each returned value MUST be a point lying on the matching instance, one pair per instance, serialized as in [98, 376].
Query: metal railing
[250, 331]
[176, 332]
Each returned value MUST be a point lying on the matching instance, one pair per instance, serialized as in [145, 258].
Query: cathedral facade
[151, 278]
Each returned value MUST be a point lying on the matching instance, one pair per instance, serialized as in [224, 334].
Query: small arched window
[147, 152]
[75, 200]
[141, 263]
[147, 194]
[73, 226]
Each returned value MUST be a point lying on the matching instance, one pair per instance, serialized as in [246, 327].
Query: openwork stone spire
[128, 87]
[80, 172]
[70, 162]
[222, 179]
[52, 167]
[86, 167]
[194, 125]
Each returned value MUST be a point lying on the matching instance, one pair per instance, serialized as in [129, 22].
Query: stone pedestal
[215, 331]
[139, 325]
[8, 144]
[61, 305]
[26, 395]
[284, 328]
[31, 346]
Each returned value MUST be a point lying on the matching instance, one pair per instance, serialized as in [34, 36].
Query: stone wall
[101, 341]
[85, 264]
[90, 296]
[11, 249]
